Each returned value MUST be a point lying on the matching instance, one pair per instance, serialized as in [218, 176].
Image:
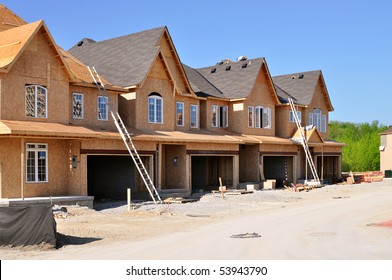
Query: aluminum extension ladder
[304, 142]
[126, 137]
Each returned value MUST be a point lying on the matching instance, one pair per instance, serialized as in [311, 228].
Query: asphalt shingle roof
[228, 80]
[299, 86]
[124, 61]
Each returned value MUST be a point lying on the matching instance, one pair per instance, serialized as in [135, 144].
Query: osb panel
[165, 89]
[174, 167]
[284, 128]
[116, 145]
[271, 148]
[260, 96]
[212, 147]
[328, 149]
[39, 65]
[158, 70]
[11, 163]
[318, 101]
[232, 119]
[188, 101]
[58, 169]
[75, 178]
[90, 117]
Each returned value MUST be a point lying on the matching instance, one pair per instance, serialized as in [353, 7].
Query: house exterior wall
[260, 96]
[90, 108]
[37, 65]
[386, 155]
[13, 162]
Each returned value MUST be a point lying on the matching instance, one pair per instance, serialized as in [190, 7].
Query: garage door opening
[109, 177]
[279, 168]
[206, 171]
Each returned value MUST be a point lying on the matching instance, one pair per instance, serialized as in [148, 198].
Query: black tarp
[27, 225]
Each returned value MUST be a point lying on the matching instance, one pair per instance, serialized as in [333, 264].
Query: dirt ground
[111, 222]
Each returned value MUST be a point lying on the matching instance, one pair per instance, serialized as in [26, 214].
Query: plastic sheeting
[27, 225]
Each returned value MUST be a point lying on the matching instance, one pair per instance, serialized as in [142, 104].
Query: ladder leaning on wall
[304, 142]
[125, 136]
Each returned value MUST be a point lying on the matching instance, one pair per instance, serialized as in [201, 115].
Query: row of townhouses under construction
[190, 126]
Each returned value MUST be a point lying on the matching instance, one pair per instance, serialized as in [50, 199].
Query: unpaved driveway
[328, 223]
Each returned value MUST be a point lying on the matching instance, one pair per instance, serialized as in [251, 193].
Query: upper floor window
[102, 108]
[194, 116]
[223, 116]
[77, 106]
[259, 117]
[36, 101]
[36, 163]
[250, 117]
[155, 108]
[214, 116]
[317, 118]
[311, 119]
[180, 113]
[323, 123]
[291, 116]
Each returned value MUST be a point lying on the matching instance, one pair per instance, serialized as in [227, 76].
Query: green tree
[362, 140]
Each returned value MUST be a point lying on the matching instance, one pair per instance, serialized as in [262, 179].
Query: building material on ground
[269, 184]
[178, 200]
[129, 199]
[126, 137]
[221, 187]
[373, 176]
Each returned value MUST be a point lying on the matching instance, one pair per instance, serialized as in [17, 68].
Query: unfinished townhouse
[49, 112]
[191, 127]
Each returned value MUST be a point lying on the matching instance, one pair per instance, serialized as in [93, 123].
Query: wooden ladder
[126, 137]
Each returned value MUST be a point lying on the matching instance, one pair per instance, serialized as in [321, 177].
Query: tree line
[362, 140]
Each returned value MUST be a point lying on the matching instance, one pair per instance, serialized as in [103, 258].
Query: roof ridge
[231, 62]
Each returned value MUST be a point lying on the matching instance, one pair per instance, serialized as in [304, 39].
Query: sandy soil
[313, 225]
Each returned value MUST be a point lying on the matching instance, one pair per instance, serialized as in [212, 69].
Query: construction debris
[179, 200]
[246, 235]
[233, 191]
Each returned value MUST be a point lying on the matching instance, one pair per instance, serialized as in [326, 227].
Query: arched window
[36, 101]
[155, 108]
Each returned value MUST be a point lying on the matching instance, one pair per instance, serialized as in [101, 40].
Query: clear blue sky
[350, 41]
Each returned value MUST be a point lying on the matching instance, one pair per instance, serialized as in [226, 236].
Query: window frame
[214, 116]
[194, 123]
[267, 112]
[251, 117]
[36, 101]
[317, 118]
[106, 117]
[223, 116]
[291, 116]
[82, 105]
[323, 123]
[182, 109]
[156, 114]
[311, 121]
[37, 149]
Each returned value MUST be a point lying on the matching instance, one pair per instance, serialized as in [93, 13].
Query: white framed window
[194, 116]
[223, 116]
[36, 101]
[323, 123]
[291, 116]
[266, 118]
[155, 108]
[36, 163]
[258, 116]
[180, 113]
[102, 108]
[214, 116]
[317, 118]
[250, 116]
[77, 105]
[311, 119]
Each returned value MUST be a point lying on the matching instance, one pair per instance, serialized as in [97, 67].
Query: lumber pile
[178, 200]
